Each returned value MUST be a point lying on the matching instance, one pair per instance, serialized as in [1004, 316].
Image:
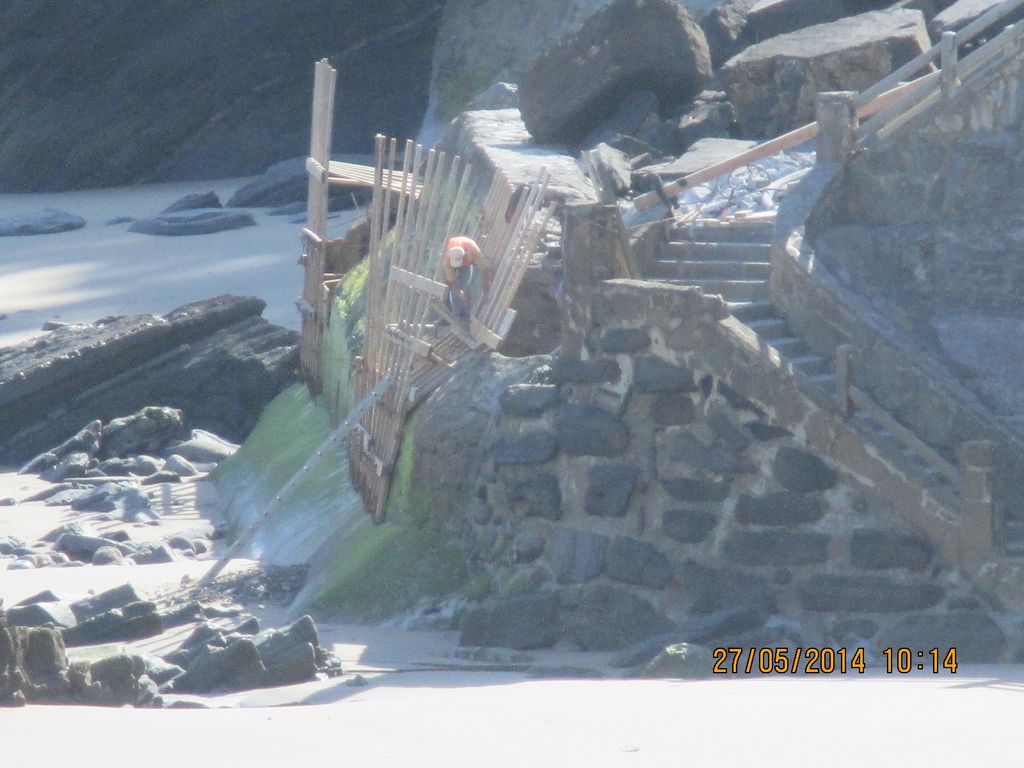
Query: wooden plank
[418, 282]
[864, 402]
[484, 334]
[316, 171]
[418, 346]
[949, 49]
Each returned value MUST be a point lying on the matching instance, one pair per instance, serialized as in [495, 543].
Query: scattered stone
[585, 430]
[522, 623]
[636, 562]
[183, 614]
[54, 614]
[535, 447]
[107, 555]
[529, 400]
[234, 668]
[194, 201]
[723, 28]
[204, 447]
[71, 465]
[118, 597]
[46, 596]
[146, 431]
[291, 654]
[180, 466]
[803, 472]
[79, 547]
[537, 496]
[881, 549]
[580, 79]
[45, 222]
[609, 489]
[203, 223]
[163, 476]
[156, 669]
[765, 432]
[154, 554]
[8, 501]
[119, 220]
[496, 96]
[576, 556]
[115, 624]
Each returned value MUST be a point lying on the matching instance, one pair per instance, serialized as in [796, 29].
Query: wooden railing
[889, 103]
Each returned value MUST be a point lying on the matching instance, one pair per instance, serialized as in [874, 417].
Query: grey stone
[107, 555]
[193, 201]
[959, 14]
[635, 111]
[976, 637]
[609, 489]
[117, 597]
[611, 619]
[86, 440]
[117, 679]
[496, 96]
[579, 80]
[672, 410]
[783, 508]
[48, 221]
[148, 430]
[625, 341]
[202, 223]
[156, 669]
[776, 548]
[113, 625]
[529, 400]
[57, 614]
[723, 28]
[585, 430]
[186, 613]
[697, 490]
[652, 375]
[707, 590]
[705, 121]
[46, 596]
[527, 546]
[234, 668]
[576, 556]
[565, 370]
[765, 432]
[180, 543]
[772, 85]
[154, 554]
[859, 594]
[522, 623]
[180, 466]
[73, 464]
[881, 549]
[204, 447]
[79, 547]
[801, 471]
[289, 654]
[680, 454]
[102, 498]
[536, 496]
[636, 562]
[688, 525]
[701, 154]
[535, 447]
[613, 167]
[163, 476]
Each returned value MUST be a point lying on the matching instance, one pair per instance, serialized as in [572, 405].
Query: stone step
[752, 232]
[733, 290]
[749, 311]
[789, 346]
[770, 327]
[720, 270]
[811, 364]
[700, 251]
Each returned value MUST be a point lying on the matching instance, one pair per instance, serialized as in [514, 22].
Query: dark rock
[183, 614]
[853, 631]
[156, 669]
[72, 465]
[680, 454]
[153, 554]
[84, 547]
[234, 668]
[527, 546]
[633, 113]
[723, 28]
[181, 466]
[585, 430]
[102, 498]
[141, 466]
[529, 400]
[707, 590]
[107, 555]
[535, 447]
[705, 121]
[117, 678]
[878, 549]
[289, 654]
[251, 626]
[118, 220]
[583, 77]
[689, 526]
[652, 375]
[636, 562]
[776, 548]
[181, 543]
[72, 527]
[803, 472]
[522, 622]
[193, 201]
[772, 85]
[565, 370]
[163, 476]
[48, 221]
[46, 596]
[859, 594]
[203, 223]
[56, 614]
[613, 169]
[86, 440]
[536, 496]
[697, 490]
[610, 619]
[609, 489]
[111, 626]
[147, 431]
[576, 556]
[672, 410]
[625, 341]
[204, 447]
[201, 635]
[285, 185]
[118, 597]
[783, 508]
[976, 637]
[765, 432]
[771, 18]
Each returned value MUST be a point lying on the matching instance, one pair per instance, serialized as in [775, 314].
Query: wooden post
[837, 125]
[977, 501]
[949, 60]
[843, 353]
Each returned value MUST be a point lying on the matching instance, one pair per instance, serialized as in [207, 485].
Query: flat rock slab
[770, 18]
[201, 223]
[699, 156]
[772, 85]
[963, 12]
[194, 201]
[45, 222]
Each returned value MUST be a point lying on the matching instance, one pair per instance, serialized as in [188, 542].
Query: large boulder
[770, 18]
[630, 45]
[772, 85]
[192, 223]
[723, 28]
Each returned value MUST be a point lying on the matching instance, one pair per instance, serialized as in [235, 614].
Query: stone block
[522, 623]
[609, 488]
[783, 508]
[765, 432]
[535, 496]
[680, 454]
[801, 471]
[697, 490]
[576, 556]
[611, 619]
[535, 447]
[672, 410]
[652, 375]
[706, 590]
[637, 562]
[859, 594]
[688, 525]
[880, 549]
[529, 400]
[776, 548]
[977, 638]
[625, 341]
[585, 430]
[566, 370]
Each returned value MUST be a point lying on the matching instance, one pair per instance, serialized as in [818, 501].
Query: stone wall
[673, 473]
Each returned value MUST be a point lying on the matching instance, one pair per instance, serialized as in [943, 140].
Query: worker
[461, 255]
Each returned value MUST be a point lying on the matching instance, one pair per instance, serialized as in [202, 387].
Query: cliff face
[122, 92]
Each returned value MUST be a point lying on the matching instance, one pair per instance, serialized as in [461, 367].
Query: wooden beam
[418, 283]
[484, 334]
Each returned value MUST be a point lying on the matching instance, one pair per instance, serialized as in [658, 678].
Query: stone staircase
[733, 261]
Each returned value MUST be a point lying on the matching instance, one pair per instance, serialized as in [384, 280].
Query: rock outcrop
[630, 45]
[772, 85]
[46, 222]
